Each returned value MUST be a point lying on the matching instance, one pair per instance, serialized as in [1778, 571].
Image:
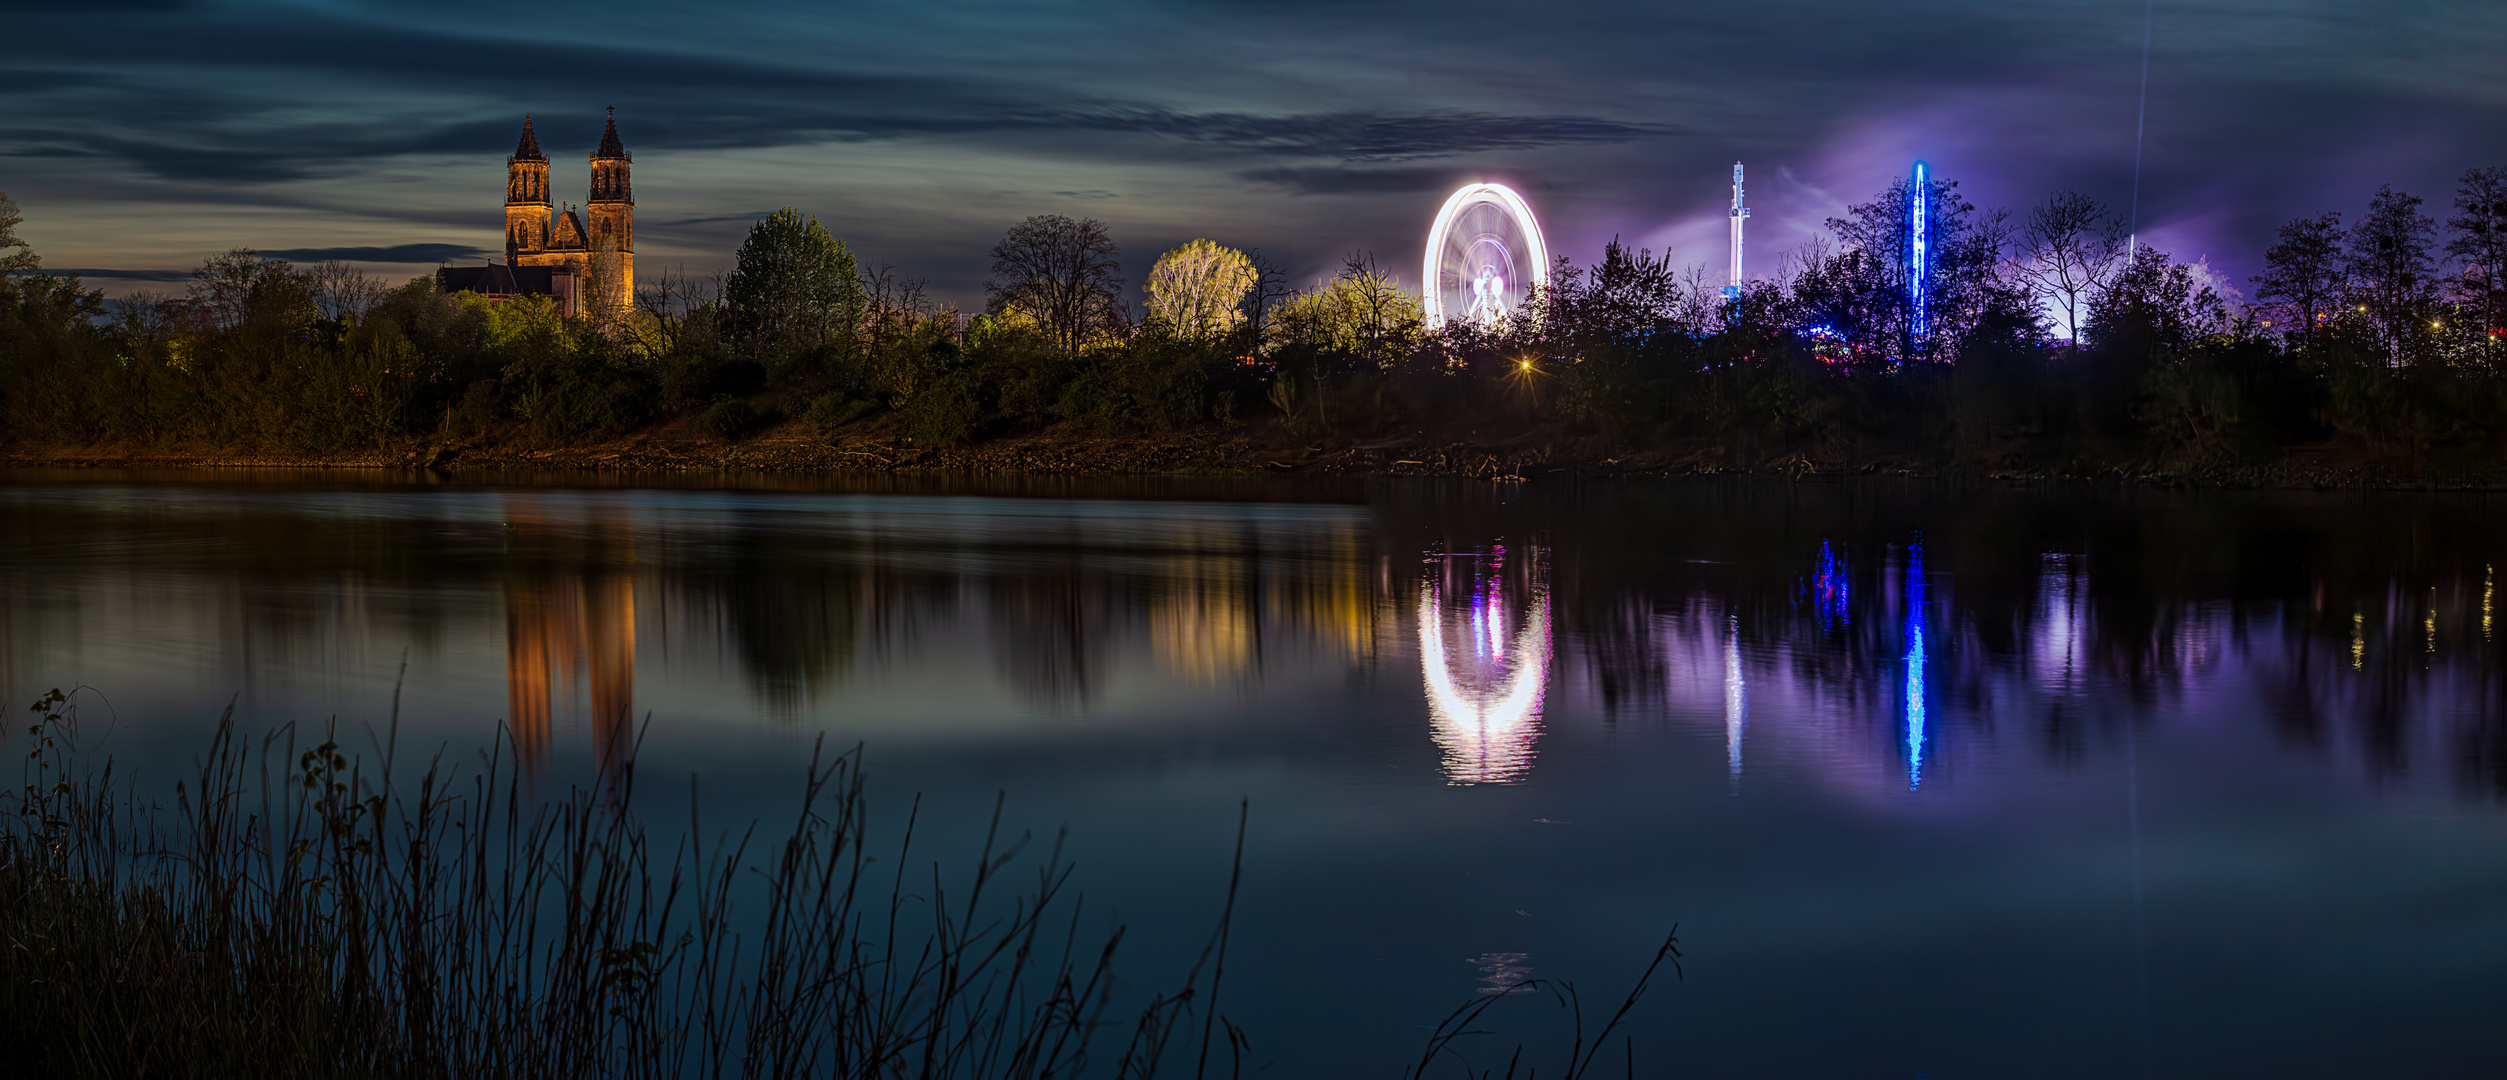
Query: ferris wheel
[1485, 255]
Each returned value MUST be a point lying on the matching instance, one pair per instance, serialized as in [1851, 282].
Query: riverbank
[796, 448]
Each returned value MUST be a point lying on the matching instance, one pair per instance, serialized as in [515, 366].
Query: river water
[1933, 780]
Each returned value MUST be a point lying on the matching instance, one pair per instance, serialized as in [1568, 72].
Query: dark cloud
[1330, 180]
[1358, 136]
[91, 5]
[711, 219]
[1218, 117]
[397, 253]
[125, 275]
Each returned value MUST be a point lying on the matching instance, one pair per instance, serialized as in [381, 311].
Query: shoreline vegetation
[304, 911]
[2043, 344]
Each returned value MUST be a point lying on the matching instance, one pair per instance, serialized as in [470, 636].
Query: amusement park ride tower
[1740, 213]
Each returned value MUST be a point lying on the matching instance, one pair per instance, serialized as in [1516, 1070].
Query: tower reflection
[1918, 720]
[1484, 651]
[574, 616]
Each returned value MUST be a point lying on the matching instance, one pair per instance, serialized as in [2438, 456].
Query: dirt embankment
[796, 448]
[1238, 450]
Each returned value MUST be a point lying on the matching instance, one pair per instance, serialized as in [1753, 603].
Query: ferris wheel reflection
[1484, 652]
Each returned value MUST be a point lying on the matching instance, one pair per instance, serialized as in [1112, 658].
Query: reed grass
[294, 912]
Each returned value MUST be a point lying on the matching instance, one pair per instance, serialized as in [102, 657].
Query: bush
[951, 411]
[827, 412]
[1143, 388]
[726, 419]
[478, 409]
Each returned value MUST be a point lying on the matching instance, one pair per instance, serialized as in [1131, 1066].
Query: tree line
[2050, 338]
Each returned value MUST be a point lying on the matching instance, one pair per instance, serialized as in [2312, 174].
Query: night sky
[140, 137]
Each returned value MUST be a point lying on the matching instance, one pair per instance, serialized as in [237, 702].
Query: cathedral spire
[529, 149]
[610, 146]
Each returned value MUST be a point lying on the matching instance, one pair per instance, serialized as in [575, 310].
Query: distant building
[498, 283]
[552, 253]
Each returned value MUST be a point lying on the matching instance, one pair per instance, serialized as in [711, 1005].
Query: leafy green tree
[2304, 280]
[793, 287]
[49, 345]
[1062, 275]
[16, 255]
[1198, 291]
[2392, 255]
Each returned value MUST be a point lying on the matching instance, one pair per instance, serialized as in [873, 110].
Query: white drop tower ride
[1740, 213]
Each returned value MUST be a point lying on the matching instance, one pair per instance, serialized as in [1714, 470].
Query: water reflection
[1736, 697]
[2281, 689]
[1917, 718]
[1894, 642]
[1484, 651]
[570, 615]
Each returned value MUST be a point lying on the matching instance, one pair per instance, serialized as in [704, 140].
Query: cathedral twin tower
[601, 257]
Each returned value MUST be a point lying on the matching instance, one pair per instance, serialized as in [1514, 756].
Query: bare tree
[2480, 243]
[2069, 251]
[2392, 257]
[340, 289]
[667, 303]
[1262, 302]
[894, 305]
[223, 287]
[2303, 278]
[1061, 273]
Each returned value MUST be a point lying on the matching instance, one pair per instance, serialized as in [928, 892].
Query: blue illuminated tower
[1918, 254]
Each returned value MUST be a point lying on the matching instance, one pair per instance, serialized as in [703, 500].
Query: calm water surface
[1934, 780]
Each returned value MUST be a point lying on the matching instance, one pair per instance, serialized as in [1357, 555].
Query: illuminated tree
[2070, 249]
[1360, 312]
[1198, 290]
[2393, 269]
[1062, 275]
[16, 256]
[2303, 279]
[793, 287]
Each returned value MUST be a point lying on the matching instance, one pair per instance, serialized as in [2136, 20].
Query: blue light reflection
[1915, 718]
[1830, 589]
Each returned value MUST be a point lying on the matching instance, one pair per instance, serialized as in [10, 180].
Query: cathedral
[549, 252]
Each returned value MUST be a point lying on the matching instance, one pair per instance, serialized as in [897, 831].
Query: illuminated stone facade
[601, 257]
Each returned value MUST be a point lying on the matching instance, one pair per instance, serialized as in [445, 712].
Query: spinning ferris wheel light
[1485, 256]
